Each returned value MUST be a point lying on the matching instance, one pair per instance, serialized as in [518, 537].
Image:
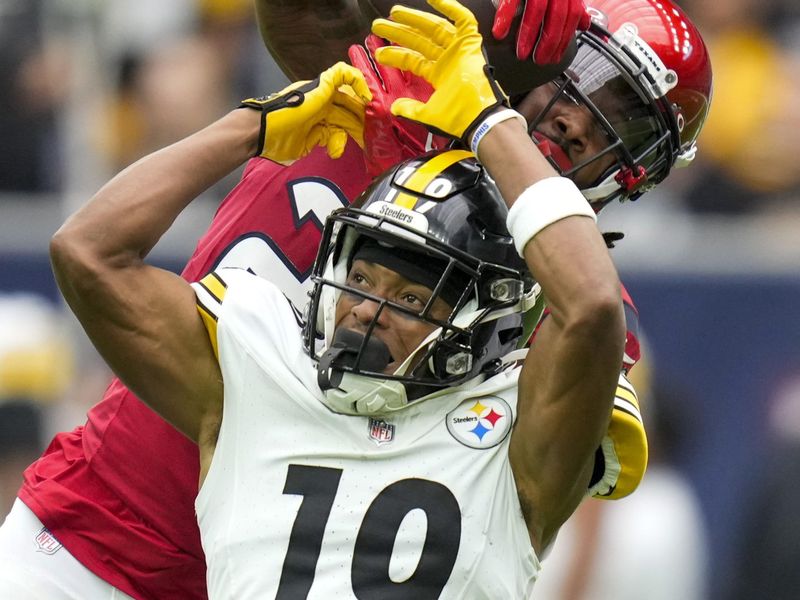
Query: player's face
[400, 332]
[570, 132]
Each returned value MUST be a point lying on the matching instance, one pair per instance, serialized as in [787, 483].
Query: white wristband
[542, 204]
[489, 122]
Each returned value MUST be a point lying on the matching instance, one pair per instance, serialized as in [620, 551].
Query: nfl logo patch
[380, 431]
[46, 543]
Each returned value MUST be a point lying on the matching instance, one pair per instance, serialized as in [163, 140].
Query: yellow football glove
[307, 114]
[450, 57]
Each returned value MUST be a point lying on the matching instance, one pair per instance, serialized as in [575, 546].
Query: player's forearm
[567, 383]
[585, 332]
[568, 258]
[512, 159]
[129, 214]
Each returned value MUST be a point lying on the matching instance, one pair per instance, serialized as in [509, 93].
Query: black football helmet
[442, 217]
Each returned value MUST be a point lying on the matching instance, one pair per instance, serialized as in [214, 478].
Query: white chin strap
[686, 157]
[603, 189]
[359, 395]
[609, 185]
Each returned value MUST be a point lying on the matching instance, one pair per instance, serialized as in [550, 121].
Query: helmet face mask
[634, 143]
[440, 214]
[646, 88]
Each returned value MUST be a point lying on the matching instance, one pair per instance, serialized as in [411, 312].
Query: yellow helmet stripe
[427, 173]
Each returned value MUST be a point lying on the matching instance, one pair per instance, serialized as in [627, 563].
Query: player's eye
[357, 279]
[411, 299]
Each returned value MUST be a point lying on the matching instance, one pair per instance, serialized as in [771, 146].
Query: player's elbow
[599, 317]
[75, 266]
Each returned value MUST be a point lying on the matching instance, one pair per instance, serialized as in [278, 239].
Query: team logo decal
[480, 423]
[46, 543]
[380, 431]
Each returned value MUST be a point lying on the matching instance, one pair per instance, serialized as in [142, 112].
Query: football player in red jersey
[128, 516]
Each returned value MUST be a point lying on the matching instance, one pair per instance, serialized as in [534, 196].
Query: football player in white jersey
[372, 453]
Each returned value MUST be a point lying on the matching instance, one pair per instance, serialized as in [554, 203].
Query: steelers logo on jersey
[480, 422]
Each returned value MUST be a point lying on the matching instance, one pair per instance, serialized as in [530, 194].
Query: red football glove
[547, 26]
[389, 140]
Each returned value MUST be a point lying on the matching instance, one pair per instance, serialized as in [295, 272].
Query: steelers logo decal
[480, 422]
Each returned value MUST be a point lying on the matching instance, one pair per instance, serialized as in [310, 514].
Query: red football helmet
[643, 71]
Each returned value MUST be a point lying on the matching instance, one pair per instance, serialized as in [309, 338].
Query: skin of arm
[142, 319]
[568, 380]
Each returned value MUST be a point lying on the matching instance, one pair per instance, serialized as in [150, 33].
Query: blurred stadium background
[712, 261]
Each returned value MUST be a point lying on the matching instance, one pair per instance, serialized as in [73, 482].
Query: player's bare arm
[567, 385]
[144, 320]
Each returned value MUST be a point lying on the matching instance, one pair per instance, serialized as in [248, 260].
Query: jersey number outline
[376, 536]
[284, 248]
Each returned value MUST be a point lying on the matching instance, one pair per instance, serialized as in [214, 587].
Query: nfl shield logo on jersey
[46, 543]
[380, 431]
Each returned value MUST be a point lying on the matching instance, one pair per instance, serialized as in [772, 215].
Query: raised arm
[142, 319]
[569, 378]
[567, 384]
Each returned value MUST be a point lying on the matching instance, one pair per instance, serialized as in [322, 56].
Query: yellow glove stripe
[426, 173]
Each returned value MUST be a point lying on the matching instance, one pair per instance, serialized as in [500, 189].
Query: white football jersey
[301, 502]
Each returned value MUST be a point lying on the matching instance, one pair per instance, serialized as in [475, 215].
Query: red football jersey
[118, 492]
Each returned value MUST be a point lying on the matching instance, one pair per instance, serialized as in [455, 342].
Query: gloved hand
[387, 139]
[547, 26]
[307, 114]
[449, 55]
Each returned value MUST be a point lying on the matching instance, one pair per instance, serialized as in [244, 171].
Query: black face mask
[345, 351]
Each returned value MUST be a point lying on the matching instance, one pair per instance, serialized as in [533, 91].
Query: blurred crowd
[116, 80]
[87, 87]
[125, 77]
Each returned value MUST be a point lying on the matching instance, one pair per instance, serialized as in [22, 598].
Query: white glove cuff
[545, 202]
[489, 122]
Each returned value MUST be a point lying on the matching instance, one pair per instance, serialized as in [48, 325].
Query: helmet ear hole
[506, 336]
